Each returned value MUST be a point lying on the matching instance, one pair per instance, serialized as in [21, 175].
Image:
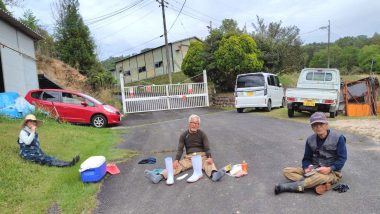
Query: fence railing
[164, 97]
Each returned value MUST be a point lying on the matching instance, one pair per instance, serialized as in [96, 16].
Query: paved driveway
[267, 144]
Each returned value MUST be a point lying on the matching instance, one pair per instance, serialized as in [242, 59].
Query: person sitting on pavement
[30, 145]
[324, 157]
[196, 143]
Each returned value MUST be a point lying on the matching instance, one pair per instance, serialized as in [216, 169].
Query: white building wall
[18, 60]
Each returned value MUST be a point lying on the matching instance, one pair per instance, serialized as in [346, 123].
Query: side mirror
[280, 84]
[83, 103]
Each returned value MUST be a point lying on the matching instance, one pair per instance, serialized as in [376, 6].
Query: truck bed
[318, 95]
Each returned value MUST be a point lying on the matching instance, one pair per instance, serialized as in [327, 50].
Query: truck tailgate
[312, 94]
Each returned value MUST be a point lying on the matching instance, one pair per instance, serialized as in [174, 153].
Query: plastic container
[244, 167]
[93, 169]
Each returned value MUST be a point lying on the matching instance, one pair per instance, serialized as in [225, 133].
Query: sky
[140, 25]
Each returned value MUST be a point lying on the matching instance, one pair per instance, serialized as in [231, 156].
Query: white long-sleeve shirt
[24, 138]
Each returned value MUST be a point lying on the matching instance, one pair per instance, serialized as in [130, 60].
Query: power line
[187, 14]
[312, 31]
[203, 14]
[129, 24]
[179, 13]
[129, 49]
[114, 13]
[106, 23]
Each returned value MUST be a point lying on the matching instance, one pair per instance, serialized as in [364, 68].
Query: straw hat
[32, 118]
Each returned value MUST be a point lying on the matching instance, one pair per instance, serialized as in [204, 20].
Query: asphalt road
[267, 144]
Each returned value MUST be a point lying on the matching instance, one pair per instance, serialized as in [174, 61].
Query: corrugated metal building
[152, 63]
[18, 71]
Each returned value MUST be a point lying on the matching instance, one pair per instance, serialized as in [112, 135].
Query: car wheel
[240, 110]
[269, 107]
[290, 113]
[99, 121]
[283, 103]
[332, 114]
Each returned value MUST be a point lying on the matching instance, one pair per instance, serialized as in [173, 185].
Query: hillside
[61, 74]
[69, 78]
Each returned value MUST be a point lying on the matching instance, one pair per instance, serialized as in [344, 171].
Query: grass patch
[177, 77]
[30, 188]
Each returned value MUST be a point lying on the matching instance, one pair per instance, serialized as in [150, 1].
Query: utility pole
[328, 46]
[166, 42]
[210, 26]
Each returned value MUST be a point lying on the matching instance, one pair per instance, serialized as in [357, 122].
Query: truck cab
[318, 89]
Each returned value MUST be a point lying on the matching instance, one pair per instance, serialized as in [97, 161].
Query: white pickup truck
[318, 89]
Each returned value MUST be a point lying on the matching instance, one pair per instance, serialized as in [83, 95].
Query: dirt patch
[61, 74]
[367, 127]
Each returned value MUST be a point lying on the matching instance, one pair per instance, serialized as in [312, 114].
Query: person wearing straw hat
[30, 145]
[324, 157]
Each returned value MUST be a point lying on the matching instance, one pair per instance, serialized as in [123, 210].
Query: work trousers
[186, 164]
[296, 174]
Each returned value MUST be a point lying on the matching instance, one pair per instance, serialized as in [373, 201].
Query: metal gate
[164, 97]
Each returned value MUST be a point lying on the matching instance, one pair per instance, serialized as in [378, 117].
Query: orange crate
[358, 110]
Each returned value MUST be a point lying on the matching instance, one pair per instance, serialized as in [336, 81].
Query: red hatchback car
[74, 107]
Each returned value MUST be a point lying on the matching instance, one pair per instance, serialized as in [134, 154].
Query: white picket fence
[164, 97]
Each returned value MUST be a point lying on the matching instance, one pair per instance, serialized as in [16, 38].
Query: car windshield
[92, 99]
[254, 80]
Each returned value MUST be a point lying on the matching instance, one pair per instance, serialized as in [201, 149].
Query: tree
[280, 46]
[319, 59]
[10, 3]
[195, 61]
[236, 54]
[109, 63]
[2, 6]
[367, 54]
[45, 46]
[349, 58]
[74, 43]
[30, 20]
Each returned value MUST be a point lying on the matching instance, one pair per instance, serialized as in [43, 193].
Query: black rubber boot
[297, 186]
[75, 160]
[60, 163]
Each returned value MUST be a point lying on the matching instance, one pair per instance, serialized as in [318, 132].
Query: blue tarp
[13, 106]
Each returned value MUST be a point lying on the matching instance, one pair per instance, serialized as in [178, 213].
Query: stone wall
[223, 100]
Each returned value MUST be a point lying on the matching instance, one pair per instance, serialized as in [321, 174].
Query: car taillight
[291, 99]
[329, 101]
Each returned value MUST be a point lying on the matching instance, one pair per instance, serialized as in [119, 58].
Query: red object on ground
[112, 169]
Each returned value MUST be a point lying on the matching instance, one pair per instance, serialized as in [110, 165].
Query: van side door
[279, 91]
[271, 89]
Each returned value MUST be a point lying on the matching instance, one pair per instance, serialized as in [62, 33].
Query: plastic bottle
[244, 166]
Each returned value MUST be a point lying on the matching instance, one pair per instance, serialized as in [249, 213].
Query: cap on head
[318, 117]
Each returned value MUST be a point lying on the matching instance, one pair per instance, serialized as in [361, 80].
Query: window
[50, 96]
[127, 73]
[319, 76]
[72, 98]
[250, 81]
[36, 94]
[158, 64]
[270, 80]
[277, 81]
[273, 80]
[89, 103]
[142, 69]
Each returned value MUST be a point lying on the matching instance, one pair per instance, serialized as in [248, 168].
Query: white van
[258, 90]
